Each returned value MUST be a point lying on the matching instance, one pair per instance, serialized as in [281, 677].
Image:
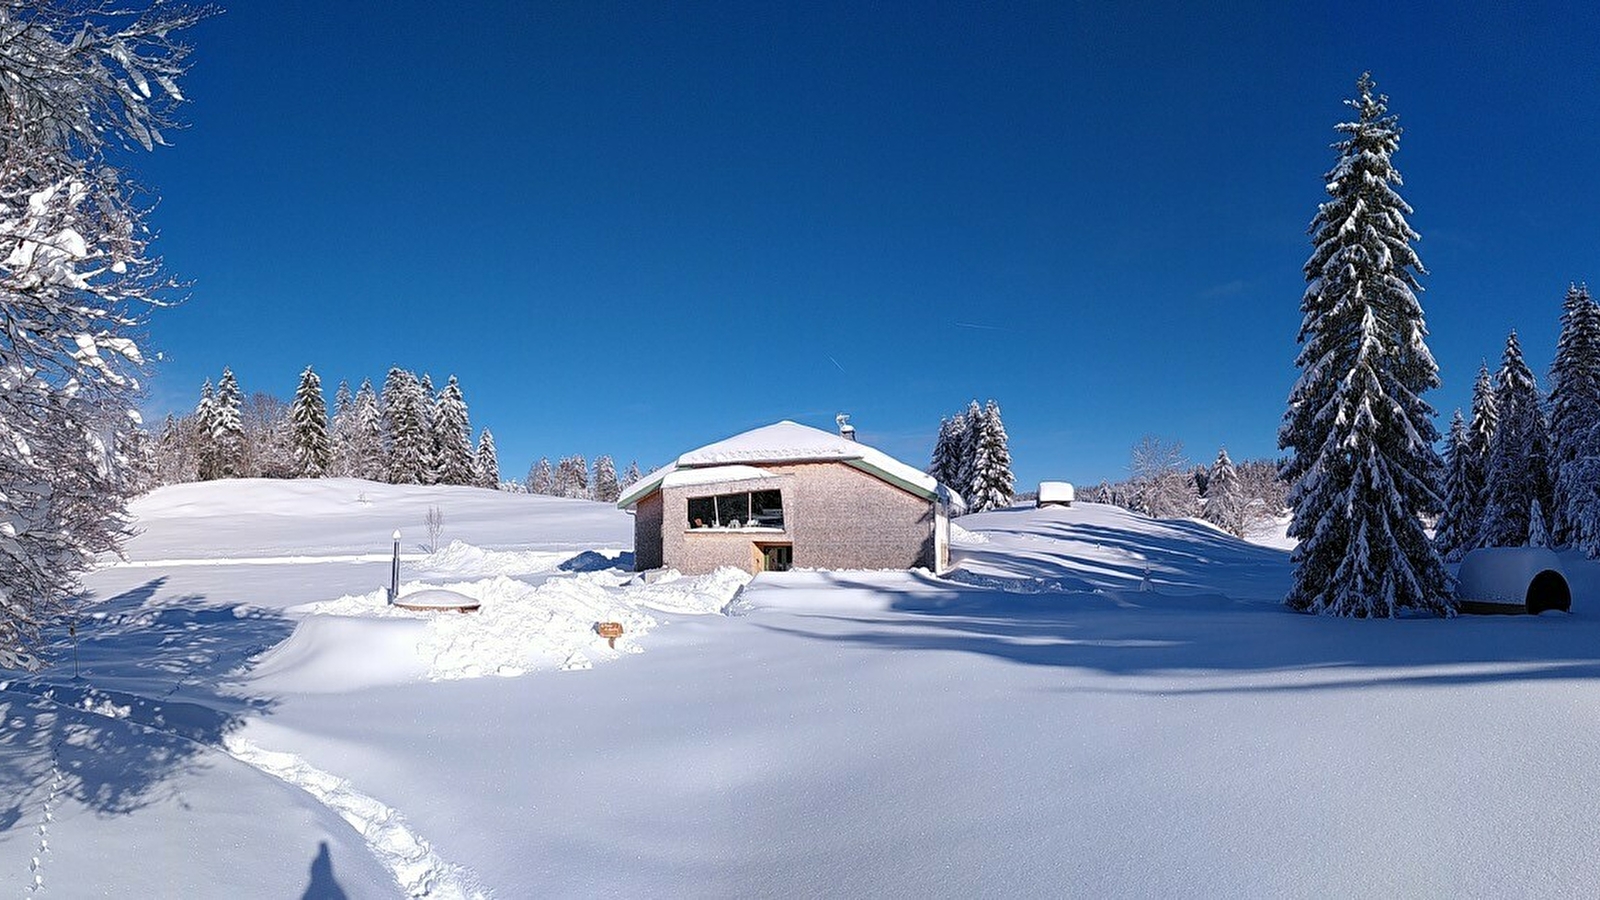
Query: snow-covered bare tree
[452, 437]
[606, 488]
[1457, 527]
[541, 478]
[1519, 455]
[1574, 410]
[486, 463]
[1160, 485]
[991, 485]
[308, 423]
[1225, 506]
[82, 85]
[268, 437]
[176, 458]
[1364, 464]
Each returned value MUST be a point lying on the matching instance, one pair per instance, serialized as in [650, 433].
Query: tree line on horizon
[407, 435]
[1162, 484]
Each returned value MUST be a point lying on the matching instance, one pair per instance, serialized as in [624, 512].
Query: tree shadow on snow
[147, 700]
[1212, 607]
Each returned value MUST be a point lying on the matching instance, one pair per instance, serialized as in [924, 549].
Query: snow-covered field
[1095, 704]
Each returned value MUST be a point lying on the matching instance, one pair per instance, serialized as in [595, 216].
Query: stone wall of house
[647, 533]
[844, 518]
[835, 516]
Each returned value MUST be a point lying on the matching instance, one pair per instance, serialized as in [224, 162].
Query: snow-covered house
[788, 495]
[1054, 493]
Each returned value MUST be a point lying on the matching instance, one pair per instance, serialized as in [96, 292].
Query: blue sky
[632, 229]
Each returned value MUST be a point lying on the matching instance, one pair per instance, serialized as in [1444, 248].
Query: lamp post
[394, 570]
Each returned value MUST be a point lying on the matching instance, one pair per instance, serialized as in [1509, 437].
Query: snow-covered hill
[1095, 704]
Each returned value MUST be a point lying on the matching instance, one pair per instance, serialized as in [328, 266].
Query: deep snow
[1095, 704]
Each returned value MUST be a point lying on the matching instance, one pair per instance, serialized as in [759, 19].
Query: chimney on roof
[846, 430]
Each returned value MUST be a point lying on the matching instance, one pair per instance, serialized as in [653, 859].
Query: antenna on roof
[846, 430]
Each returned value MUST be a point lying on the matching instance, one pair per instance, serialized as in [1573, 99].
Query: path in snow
[420, 871]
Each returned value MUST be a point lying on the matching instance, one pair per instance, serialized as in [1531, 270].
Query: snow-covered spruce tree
[1362, 438]
[340, 427]
[1519, 455]
[992, 485]
[967, 431]
[606, 489]
[367, 456]
[1475, 476]
[428, 409]
[541, 478]
[227, 428]
[1225, 501]
[205, 420]
[308, 421]
[631, 475]
[407, 436]
[572, 478]
[82, 86]
[452, 434]
[1537, 535]
[1574, 409]
[1457, 526]
[486, 463]
[945, 464]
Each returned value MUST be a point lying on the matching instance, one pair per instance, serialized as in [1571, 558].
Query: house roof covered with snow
[789, 442]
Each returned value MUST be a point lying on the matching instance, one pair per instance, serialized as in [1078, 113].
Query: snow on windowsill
[743, 530]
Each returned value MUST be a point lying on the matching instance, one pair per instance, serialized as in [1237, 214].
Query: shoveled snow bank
[354, 641]
[465, 559]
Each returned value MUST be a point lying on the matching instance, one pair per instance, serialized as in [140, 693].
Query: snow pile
[465, 559]
[518, 628]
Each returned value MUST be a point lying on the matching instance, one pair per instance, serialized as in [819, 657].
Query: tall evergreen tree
[967, 433]
[606, 488]
[1225, 500]
[992, 485]
[1456, 528]
[486, 462]
[406, 433]
[631, 475]
[204, 419]
[1475, 477]
[367, 457]
[1364, 463]
[1574, 409]
[428, 413]
[308, 424]
[227, 429]
[452, 437]
[946, 463]
[340, 427]
[1519, 455]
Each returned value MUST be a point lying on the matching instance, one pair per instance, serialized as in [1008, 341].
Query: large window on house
[747, 509]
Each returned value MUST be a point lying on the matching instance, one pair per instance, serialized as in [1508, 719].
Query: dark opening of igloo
[1549, 590]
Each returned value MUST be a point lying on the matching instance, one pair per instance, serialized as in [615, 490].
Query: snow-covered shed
[789, 495]
[1054, 493]
[1512, 579]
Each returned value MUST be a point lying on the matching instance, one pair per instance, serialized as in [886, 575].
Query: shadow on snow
[146, 701]
[1212, 608]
